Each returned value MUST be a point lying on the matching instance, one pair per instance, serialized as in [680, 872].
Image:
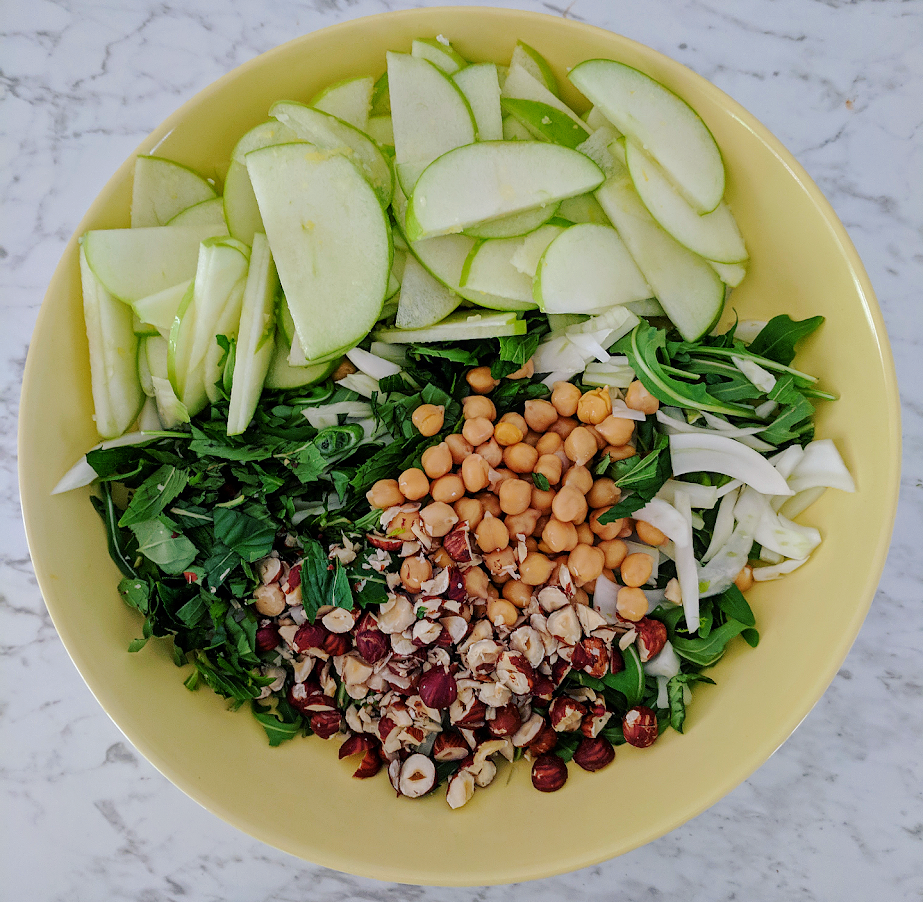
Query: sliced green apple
[423, 299]
[463, 325]
[481, 87]
[114, 380]
[160, 309]
[529, 59]
[660, 122]
[133, 263]
[162, 188]
[714, 235]
[429, 113]
[485, 181]
[732, 274]
[583, 208]
[526, 257]
[256, 336]
[334, 136]
[330, 240]
[489, 269]
[204, 214]
[545, 122]
[186, 383]
[585, 269]
[282, 375]
[687, 287]
[515, 225]
[349, 100]
[522, 84]
[381, 130]
[440, 53]
[514, 130]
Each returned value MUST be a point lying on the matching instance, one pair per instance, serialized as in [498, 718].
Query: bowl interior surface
[299, 797]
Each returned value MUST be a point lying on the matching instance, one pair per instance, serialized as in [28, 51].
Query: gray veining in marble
[836, 814]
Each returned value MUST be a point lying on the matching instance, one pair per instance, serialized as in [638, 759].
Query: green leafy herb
[170, 550]
[777, 339]
[540, 482]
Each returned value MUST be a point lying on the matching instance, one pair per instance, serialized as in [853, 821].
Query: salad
[423, 436]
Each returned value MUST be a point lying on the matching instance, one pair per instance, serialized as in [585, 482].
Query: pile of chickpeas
[483, 476]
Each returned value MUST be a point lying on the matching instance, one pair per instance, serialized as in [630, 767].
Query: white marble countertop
[835, 814]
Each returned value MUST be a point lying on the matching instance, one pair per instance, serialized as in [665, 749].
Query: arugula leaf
[643, 477]
[315, 577]
[777, 339]
[136, 593]
[277, 729]
[441, 352]
[341, 594]
[170, 550]
[675, 696]
[732, 602]
[154, 494]
[248, 536]
[630, 681]
[705, 652]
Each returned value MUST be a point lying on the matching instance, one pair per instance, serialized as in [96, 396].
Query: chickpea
[477, 430]
[470, 511]
[744, 579]
[501, 612]
[559, 535]
[603, 493]
[520, 458]
[631, 603]
[569, 504]
[508, 434]
[535, 569]
[515, 496]
[344, 368]
[565, 397]
[615, 551]
[414, 484]
[476, 582]
[580, 446]
[475, 473]
[581, 596]
[594, 406]
[384, 494]
[447, 488]
[549, 466]
[648, 534]
[619, 452]
[499, 476]
[490, 502]
[414, 572]
[438, 518]
[499, 563]
[607, 530]
[639, 398]
[401, 527]
[584, 534]
[492, 534]
[526, 371]
[585, 563]
[478, 406]
[616, 430]
[428, 418]
[491, 452]
[532, 437]
[517, 420]
[563, 426]
[541, 500]
[480, 380]
[636, 569]
[597, 435]
[437, 460]
[580, 478]
[549, 443]
[531, 544]
[517, 592]
[459, 447]
[539, 414]
[522, 524]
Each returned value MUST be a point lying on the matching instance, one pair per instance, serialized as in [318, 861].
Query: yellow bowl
[299, 797]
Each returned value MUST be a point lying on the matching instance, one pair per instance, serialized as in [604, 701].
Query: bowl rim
[822, 677]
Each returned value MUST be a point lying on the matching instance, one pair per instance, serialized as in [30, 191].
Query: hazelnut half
[549, 773]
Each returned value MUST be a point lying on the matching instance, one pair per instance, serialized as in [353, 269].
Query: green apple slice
[381, 130]
[463, 325]
[584, 208]
[514, 130]
[440, 53]
[186, 383]
[585, 269]
[133, 263]
[149, 417]
[714, 235]
[349, 100]
[334, 136]
[545, 122]
[516, 225]
[144, 369]
[160, 309]
[170, 409]
[256, 336]
[732, 274]
[527, 256]
[485, 181]
[489, 269]
[282, 375]
[381, 97]
[660, 122]
[481, 87]
[520, 83]
[535, 64]
[114, 380]
[330, 240]
[162, 188]
[687, 287]
[423, 300]
[205, 214]
[429, 113]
